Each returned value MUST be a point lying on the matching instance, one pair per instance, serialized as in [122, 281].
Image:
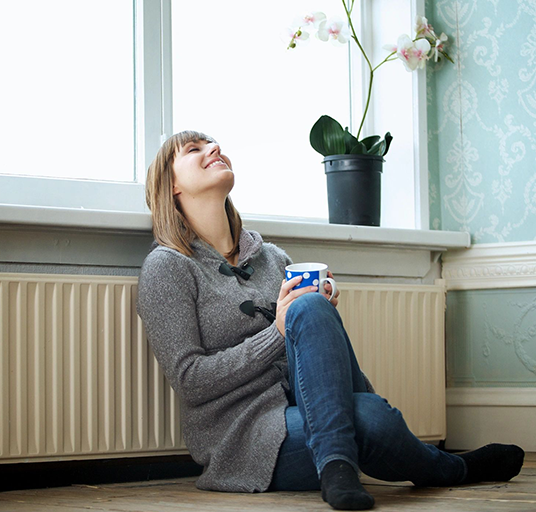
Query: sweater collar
[250, 244]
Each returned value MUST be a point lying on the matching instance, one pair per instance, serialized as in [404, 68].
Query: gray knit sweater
[229, 368]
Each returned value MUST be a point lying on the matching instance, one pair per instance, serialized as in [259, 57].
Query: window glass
[392, 111]
[67, 92]
[234, 79]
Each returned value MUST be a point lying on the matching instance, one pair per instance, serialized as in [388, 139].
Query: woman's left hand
[327, 291]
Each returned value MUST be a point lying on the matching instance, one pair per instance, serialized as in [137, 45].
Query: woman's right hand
[286, 297]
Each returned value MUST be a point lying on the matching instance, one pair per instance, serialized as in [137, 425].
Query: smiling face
[200, 169]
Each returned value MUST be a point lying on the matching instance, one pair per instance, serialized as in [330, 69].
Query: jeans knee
[310, 309]
[309, 304]
[307, 301]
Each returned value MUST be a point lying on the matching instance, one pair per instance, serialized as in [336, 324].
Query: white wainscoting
[478, 416]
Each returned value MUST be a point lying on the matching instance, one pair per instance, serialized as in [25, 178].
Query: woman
[268, 404]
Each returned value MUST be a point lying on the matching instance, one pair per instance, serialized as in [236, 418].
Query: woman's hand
[286, 297]
[326, 292]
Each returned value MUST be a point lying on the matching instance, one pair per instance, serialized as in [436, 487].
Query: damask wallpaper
[482, 120]
[490, 338]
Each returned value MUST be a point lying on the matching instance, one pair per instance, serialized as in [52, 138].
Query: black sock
[493, 463]
[342, 489]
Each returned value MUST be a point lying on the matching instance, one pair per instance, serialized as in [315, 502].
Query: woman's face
[199, 168]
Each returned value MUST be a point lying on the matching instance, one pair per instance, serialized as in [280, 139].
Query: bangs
[183, 138]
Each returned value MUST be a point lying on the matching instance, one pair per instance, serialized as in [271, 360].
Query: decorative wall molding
[484, 266]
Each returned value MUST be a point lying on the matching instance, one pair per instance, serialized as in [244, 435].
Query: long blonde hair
[170, 226]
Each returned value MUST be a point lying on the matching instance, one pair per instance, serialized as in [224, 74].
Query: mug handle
[333, 286]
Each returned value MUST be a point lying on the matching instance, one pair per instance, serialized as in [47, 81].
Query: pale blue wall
[482, 120]
[491, 338]
[482, 156]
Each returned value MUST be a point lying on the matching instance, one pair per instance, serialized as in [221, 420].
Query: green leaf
[378, 148]
[388, 139]
[358, 149]
[327, 137]
[370, 141]
[350, 141]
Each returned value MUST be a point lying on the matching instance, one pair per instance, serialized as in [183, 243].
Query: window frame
[153, 125]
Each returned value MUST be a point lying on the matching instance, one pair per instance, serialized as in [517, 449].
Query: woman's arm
[167, 305]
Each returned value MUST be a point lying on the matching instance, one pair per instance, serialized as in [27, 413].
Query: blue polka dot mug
[313, 274]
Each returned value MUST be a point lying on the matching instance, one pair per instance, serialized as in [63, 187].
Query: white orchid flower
[314, 18]
[439, 45]
[335, 30]
[422, 27]
[297, 36]
[391, 48]
[413, 54]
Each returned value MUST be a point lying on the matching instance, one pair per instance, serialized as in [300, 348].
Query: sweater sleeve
[167, 306]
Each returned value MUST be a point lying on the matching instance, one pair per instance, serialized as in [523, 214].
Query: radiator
[78, 379]
[398, 335]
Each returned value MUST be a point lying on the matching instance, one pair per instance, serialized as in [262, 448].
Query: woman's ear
[176, 190]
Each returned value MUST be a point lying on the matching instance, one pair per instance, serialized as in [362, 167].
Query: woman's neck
[211, 223]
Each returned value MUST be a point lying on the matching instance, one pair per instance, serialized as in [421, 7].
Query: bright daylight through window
[234, 79]
[67, 93]
[74, 135]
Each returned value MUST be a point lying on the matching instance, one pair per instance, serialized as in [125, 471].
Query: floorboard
[181, 495]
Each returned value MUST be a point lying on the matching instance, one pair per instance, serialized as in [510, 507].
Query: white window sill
[271, 228]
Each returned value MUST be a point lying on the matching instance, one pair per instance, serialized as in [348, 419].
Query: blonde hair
[170, 226]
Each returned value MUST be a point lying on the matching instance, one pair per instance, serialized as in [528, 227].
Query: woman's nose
[214, 148]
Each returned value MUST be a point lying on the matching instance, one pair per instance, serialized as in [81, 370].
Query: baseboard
[478, 416]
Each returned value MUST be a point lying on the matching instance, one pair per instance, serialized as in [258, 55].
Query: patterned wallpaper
[490, 338]
[482, 120]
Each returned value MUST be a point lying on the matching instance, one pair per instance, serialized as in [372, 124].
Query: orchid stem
[387, 59]
[355, 38]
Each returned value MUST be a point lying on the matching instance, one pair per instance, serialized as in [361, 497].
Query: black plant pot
[354, 189]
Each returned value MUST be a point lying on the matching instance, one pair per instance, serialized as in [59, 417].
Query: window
[69, 107]
[93, 99]
[234, 79]
[68, 110]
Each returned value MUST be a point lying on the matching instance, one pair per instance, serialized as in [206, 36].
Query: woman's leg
[323, 374]
[344, 423]
[389, 451]
[295, 470]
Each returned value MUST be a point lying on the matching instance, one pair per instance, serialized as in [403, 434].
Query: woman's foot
[493, 463]
[342, 489]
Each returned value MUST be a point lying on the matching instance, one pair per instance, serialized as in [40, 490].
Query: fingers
[287, 288]
[328, 290]
[294, 294]
[286, 296]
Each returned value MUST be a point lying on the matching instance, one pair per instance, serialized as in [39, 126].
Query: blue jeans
[334, 417]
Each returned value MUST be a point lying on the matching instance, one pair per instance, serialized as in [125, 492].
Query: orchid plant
[327, 135]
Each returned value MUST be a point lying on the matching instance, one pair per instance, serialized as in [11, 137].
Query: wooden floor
[180, 495]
